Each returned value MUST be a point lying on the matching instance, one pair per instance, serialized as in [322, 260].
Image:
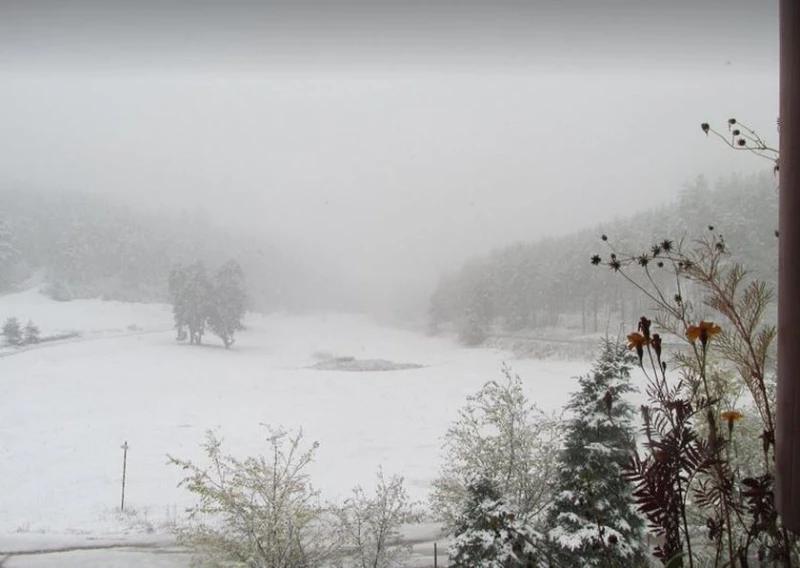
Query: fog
[395, 142]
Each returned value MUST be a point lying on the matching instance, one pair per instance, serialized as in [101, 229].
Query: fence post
[435, 556]
[124, 472]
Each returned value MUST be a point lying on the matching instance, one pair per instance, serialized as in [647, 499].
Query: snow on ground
[66, 408]
[86, 316]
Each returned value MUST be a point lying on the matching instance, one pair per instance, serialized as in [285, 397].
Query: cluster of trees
[15, 334]
[521, 489]
[199, 301]
[551, 282]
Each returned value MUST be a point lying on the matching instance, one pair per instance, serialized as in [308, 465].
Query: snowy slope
[66, 408]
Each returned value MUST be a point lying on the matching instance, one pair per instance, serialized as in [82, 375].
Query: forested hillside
[551, 283]
[84, 246]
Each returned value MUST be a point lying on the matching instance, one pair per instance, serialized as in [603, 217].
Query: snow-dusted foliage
[593, 521]
[369, 526]
[489, 534]
[505, 439]
[260, 512]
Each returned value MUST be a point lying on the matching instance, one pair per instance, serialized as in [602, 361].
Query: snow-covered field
[66, 408]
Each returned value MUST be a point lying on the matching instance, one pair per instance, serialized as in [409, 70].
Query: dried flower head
[655, 341]
[643, 260]
[604, 237]
[706, 127]
[666, 245]
[596, 259]
[731, 121]
[741, 142]
[644, 327]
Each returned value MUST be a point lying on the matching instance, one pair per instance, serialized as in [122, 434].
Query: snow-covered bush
[369, 526]
[506, 440]
[489, 534]
[260, 512]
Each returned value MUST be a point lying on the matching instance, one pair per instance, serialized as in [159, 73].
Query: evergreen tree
[9, 255]
[473, 328]
[592, 519]
[191, 297]
[12, 331]
[489, 534]
[31, 333]
[229, 302]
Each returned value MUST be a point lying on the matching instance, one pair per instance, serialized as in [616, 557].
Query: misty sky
[400, 140]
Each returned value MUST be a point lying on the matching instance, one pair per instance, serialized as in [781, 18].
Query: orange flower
[732, 415]
[703, 331]
[635, 340]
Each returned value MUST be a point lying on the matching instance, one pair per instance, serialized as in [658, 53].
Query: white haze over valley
[371, 168]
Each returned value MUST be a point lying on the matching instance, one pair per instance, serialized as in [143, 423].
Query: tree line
[87, 246]
[551, 283]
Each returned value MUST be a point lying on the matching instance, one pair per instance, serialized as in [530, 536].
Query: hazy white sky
[397, 165]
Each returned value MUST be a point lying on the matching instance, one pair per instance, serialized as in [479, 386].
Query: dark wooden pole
[788, 411]
[124, 472]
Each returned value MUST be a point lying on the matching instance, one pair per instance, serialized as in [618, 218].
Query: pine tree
[12, 331]
[474, 326]
[489, 534]
[592, 519]
[9, 255]
[31, 333]
[229, 303]
[191, 297]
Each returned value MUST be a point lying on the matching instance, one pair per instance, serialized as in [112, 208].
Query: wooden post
[787, 434]
[435, 556]
[124, 472]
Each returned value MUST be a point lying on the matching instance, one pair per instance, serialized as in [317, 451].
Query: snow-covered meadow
[66, 407]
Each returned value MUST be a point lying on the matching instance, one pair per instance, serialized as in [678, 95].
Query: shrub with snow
[489, 534]
[260, 512]
[505, 439]
[369, 526]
